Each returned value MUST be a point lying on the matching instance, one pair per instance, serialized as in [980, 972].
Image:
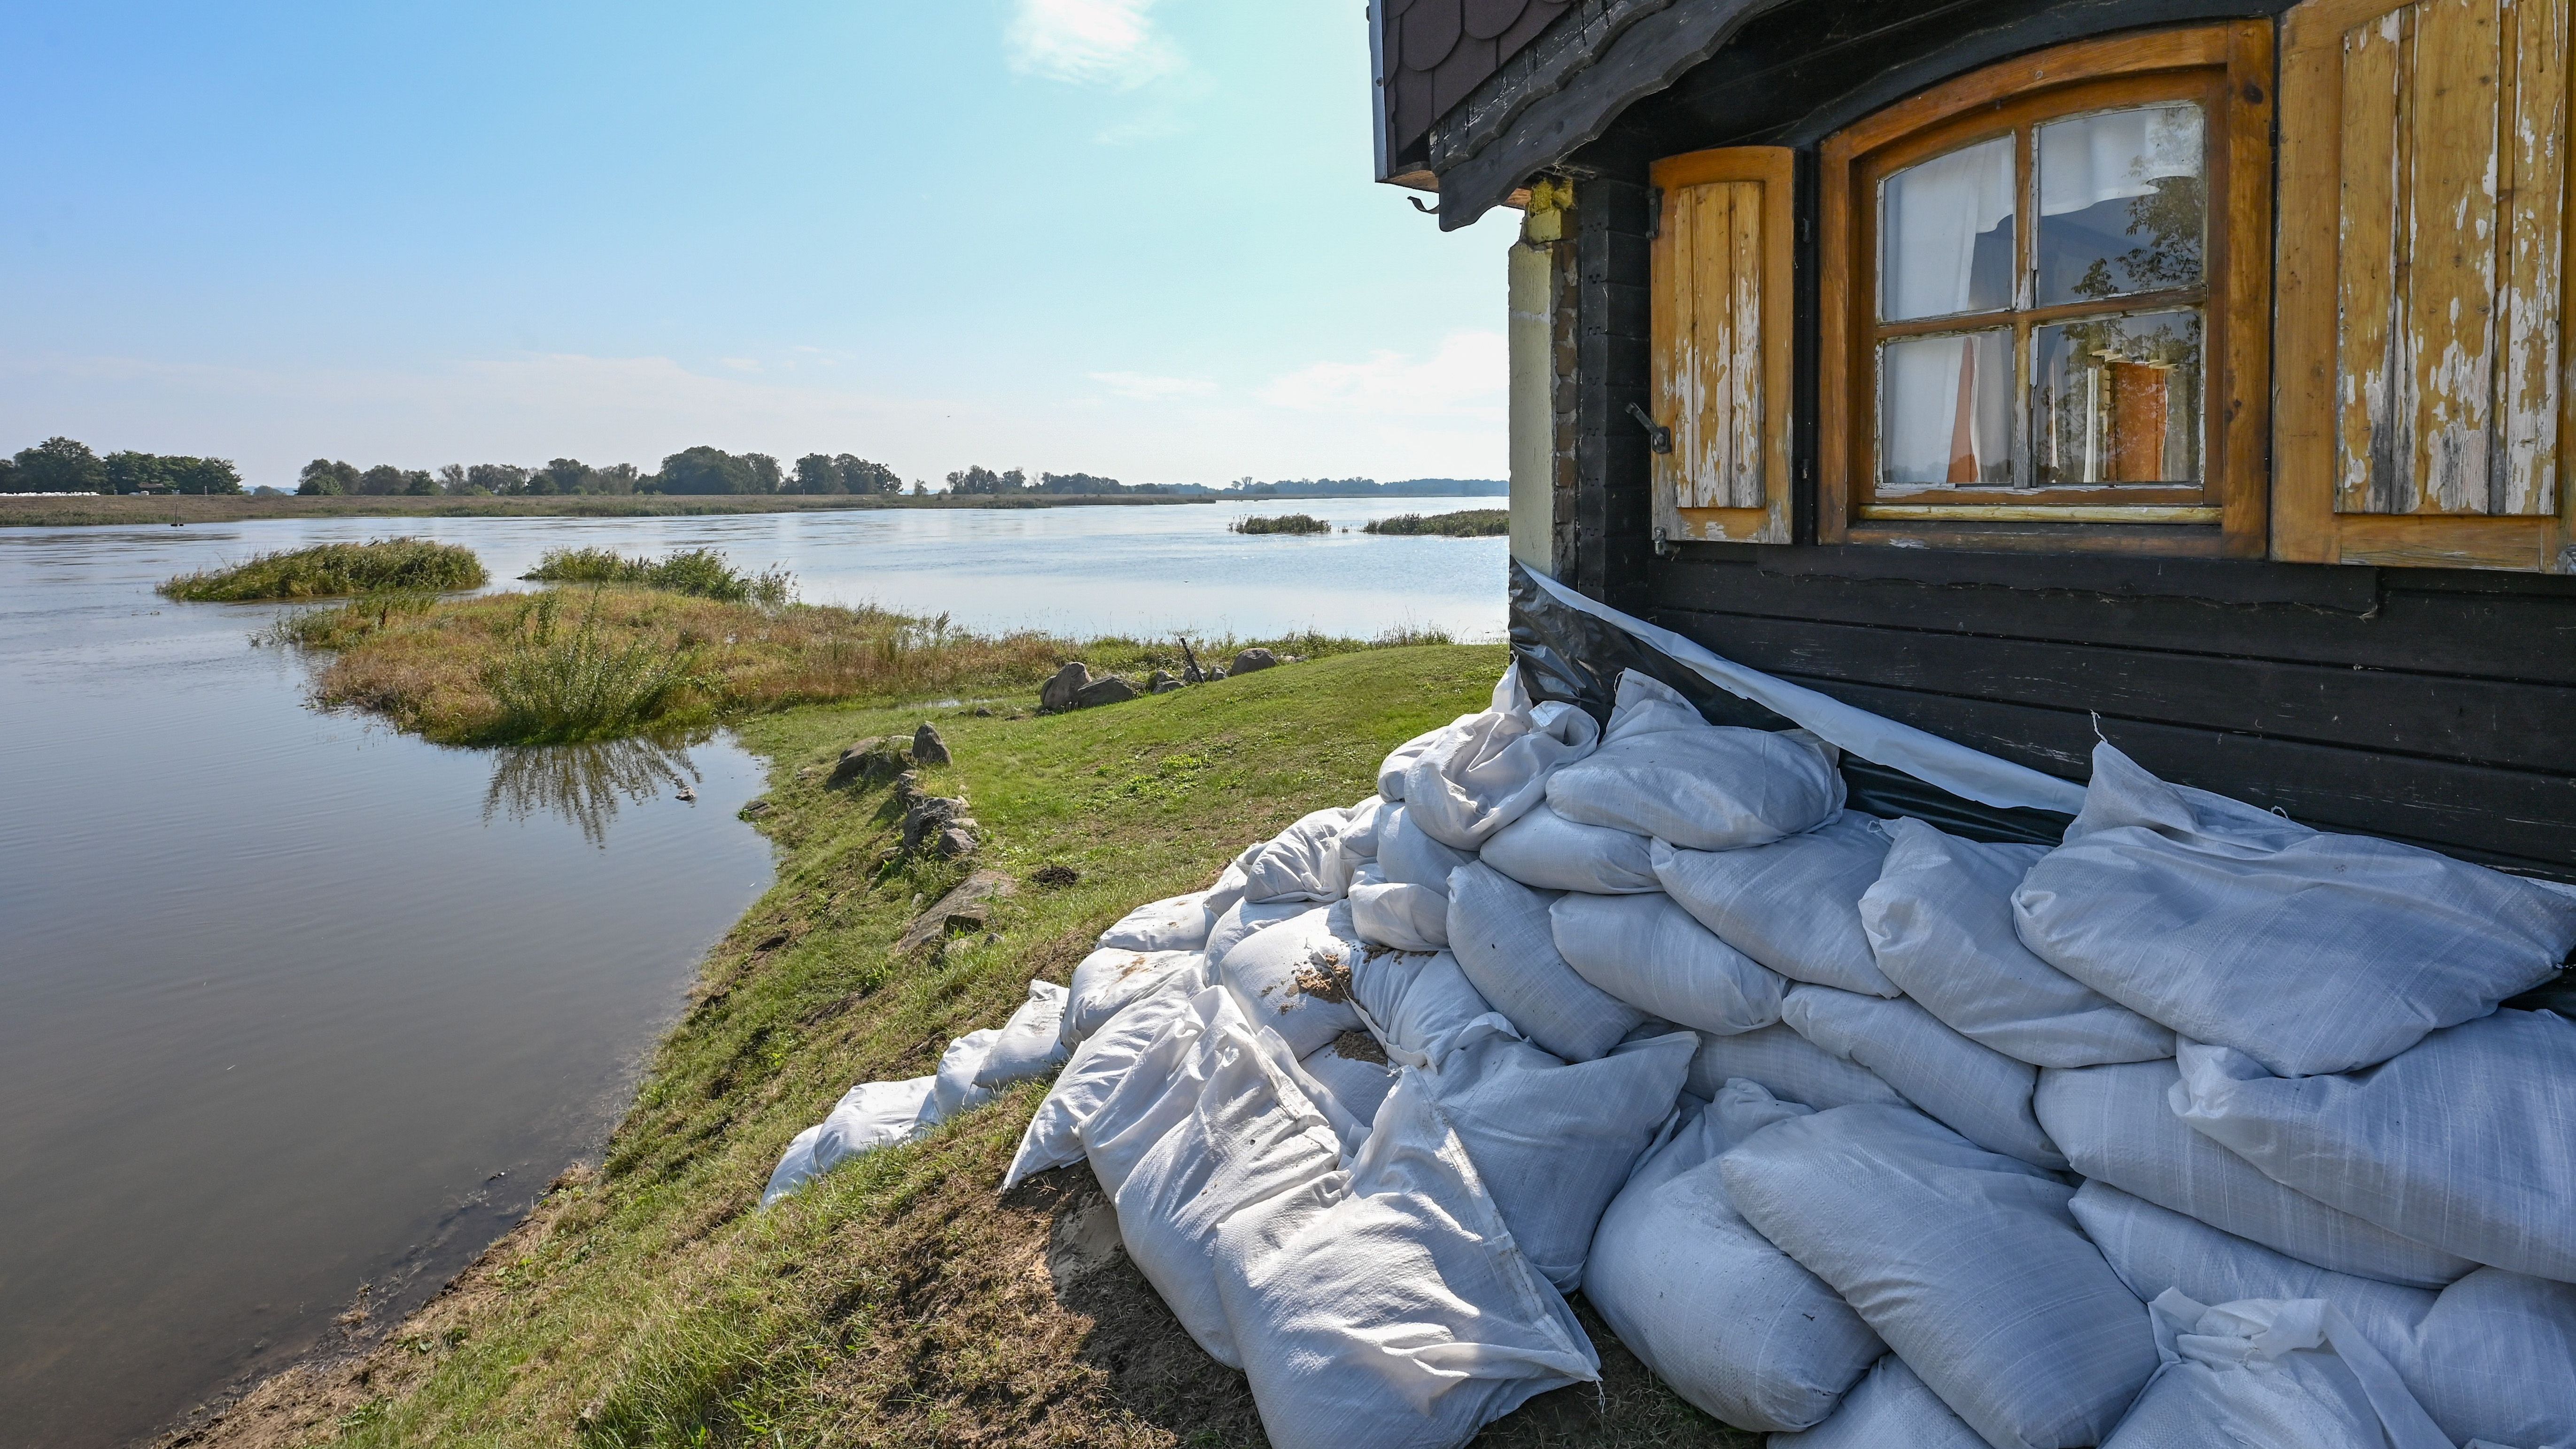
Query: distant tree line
[61, 465]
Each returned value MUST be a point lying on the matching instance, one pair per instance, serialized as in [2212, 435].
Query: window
[2044, 292]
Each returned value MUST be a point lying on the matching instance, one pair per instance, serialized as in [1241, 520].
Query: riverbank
[900, 1300]
[38, 510]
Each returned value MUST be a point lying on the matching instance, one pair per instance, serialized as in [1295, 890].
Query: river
[297, 1014]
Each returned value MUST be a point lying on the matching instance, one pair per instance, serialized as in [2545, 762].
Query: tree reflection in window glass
[2117, 399]
[2123, 206]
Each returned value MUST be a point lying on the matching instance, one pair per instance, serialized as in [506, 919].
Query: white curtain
[1932, 214]
[2115, 156]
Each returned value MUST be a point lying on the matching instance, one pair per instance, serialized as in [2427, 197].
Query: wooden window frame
[2228, 68]
[1774, 169]
[2309, 527]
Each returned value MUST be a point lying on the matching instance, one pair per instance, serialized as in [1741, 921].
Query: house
[2187, 369]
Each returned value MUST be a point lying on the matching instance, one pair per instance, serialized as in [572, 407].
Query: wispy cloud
[1090, 42]
[1144, 388]
[1467, 377]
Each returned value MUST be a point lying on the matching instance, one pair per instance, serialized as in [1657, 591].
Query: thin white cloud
[1468, 378]
[1090, 42]
[741, 364]
[1145, 388]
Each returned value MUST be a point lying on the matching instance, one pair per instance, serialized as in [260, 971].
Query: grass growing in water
[900, 1300]
[699, 572]
[558, 686]
[331, 569]
[1465, 523]
[1280, 523]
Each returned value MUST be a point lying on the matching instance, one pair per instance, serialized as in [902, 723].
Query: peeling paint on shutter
[1720, 335]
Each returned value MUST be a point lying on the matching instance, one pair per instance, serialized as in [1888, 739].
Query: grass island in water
[328, 570]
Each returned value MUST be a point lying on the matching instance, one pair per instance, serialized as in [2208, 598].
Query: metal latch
[1658, 437]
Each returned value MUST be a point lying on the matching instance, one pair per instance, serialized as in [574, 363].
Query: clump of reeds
[1465, 523]
[1280, 523]
[700, 573]
[330, 570]
[562, 686]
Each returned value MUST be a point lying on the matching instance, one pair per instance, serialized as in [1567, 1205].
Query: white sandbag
[1399, 917]
[1553, 1140]
[953, 1089]
[869, 1116]
[1354, 1075]
[1940, 922]
[1493, 767]
[1714, 787]
[1107, 980]
[1729, 1322]
[1415, 1003]
[1788, 1066]
[2282, 1373]
[1244, 920]
[1651, 954]
[1794, 905]
[1233, 1134]
[1032, 1041]
[1500, 933]
[1406, 855]
[2466, 1141]
[2115, 1123]
[1548, 851]
[1979, 1093]
[1229, 884]
[1967, 1262]
[1359, 832]
[1178, 924]
[2491, 1357]
[1390, 773]
[1301, 863]
[1643, 705]
[1095, 1070]
[1888, 1409]
[1295, 978]
[2310, 953]
[1389, 1305]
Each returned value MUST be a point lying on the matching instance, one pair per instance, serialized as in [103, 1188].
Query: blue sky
[1133, 237]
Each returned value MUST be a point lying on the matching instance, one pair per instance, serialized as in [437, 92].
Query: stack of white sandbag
[1856, 1131]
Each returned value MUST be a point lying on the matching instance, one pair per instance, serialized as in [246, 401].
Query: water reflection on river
[291, 1005]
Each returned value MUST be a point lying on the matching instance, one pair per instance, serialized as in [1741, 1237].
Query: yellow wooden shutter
[2421, 402]
[1721, 344]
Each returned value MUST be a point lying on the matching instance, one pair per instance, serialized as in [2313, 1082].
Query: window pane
[2117, 399]
[1946, 410]
[2122, 208]
[1945, 235]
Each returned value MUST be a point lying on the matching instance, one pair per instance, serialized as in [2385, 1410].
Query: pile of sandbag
[2200, 1127]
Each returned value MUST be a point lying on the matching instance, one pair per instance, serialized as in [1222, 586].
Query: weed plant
[700, 573]
[329, 570]
[1280, 523]
[1465, 523]
[556, 686]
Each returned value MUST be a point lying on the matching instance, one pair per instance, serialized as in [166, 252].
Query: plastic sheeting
[1967, 1262]
[2467, 1141]
[2308, 952]
[1730, 1322]
[1793, 905]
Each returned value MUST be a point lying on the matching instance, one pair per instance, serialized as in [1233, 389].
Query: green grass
[1465, 523]
[329, 570]
[1279, 523]
[698, 572]
[900, 1300]
[567, 686]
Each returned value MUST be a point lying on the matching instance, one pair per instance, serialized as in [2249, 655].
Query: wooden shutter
[2422, 399]
[1721, 344]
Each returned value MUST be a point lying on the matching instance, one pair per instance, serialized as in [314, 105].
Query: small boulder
[756, 809]
[1155, 681]
[927, 816]
[1250, 660]
[966, 906]
[927, 747]
[955, 839]
[1060, 692]
[1107, 690]
[1168, 686]
[877, 759]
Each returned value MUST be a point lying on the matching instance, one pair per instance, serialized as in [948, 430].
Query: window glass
[1946, 234]
[1948, 415]
[2122, 208]
[2117, 399]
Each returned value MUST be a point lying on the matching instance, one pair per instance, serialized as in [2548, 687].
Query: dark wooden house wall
[2433, 706]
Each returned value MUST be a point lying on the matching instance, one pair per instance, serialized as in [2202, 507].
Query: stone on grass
[1107, 690]
[927, 747]
[874, 759]
[966, 908]
[1059, 692]
[1250, 660]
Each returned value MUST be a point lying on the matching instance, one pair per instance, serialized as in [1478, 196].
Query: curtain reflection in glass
[2122, 206]
[1946, 234]
[584, 783]
[1948, 411]
[2117, 399]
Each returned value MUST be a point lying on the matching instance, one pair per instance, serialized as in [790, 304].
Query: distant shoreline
[41, 510]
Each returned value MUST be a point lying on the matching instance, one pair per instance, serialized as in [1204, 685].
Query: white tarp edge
[1928, 757]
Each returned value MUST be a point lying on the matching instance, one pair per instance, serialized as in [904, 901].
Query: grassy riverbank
[1465, 523]
[900, 1301]
[38, 510]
